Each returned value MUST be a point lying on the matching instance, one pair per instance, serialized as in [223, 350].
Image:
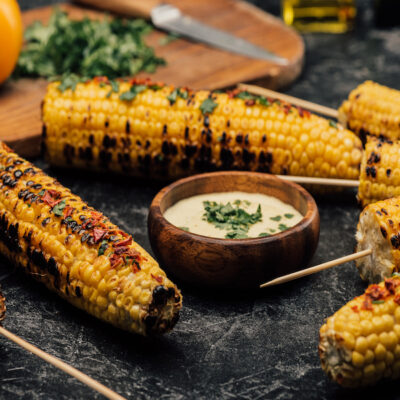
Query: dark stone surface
[225, 346]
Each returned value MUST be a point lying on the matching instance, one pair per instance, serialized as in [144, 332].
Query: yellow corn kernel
[357, 359]
[361, 345]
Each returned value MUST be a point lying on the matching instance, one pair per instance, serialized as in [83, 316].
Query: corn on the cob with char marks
[360, 343]
[380, 171]
[141, 128]
[78, 253]
[379, 230]
[372, 109]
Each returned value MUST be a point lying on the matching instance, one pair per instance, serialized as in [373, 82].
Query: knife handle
[132, 8]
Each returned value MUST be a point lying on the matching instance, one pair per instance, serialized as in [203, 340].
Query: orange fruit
[11, 32]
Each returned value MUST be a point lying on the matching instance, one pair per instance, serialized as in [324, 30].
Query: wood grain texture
[237, 263]
[189, 64]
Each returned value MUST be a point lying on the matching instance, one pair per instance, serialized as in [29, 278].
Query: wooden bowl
[233, 263]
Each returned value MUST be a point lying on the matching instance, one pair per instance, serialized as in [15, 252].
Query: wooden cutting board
[188, 63]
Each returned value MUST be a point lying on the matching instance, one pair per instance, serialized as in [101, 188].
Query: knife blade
[171, 19]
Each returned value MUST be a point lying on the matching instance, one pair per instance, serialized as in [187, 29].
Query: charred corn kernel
[78, 253]
[162, 132]
[379, 230]
[380, 171]
[372, 109]
[374, 354]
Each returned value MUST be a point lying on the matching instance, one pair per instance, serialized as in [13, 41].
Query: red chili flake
[5, 147]
[121, 250]
[54, 193]
[140, 81]
[135, 268]
[355, 308]
[367, 304]
[375, 292]
[133, 254]
[397, 299]
[98, 234]
[125, 242]
[49, 199]
[391, 284]
[68, 211]
[100, 79]
[115, 260]
[303, 113]
[233, 93]
[96, 215]
[159, 279]
[87, 222]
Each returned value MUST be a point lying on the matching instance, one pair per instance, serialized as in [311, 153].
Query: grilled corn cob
[78, 253]
[380, 171]
[372, 109]
[379, 230]
[360, 343]
[142, 128]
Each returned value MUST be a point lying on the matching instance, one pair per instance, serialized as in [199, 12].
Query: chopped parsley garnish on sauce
[262, 234]
[277, 218]
[234, 219]
[288, 216]
[282, 227]
[239, 234]
[184, 228]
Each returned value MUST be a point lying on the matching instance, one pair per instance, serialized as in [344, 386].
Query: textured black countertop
[225, 346]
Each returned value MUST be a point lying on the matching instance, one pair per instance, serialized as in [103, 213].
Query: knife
[170, 18]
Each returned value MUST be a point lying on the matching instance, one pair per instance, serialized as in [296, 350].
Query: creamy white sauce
[188, 213]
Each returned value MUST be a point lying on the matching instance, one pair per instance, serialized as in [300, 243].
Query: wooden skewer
[308, 105]
[317, 268]
[321, 181]
[63, 366]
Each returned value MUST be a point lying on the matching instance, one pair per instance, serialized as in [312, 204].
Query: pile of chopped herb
[112, 47]
[232, 218]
